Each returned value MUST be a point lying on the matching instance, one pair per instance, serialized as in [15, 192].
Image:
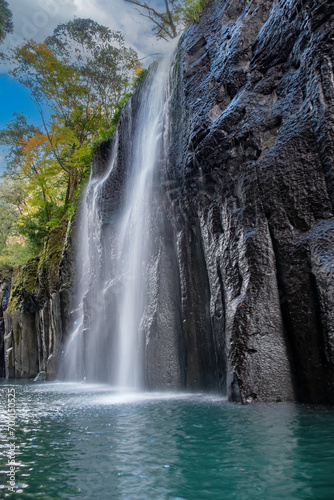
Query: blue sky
[37, 19]
[15, 98]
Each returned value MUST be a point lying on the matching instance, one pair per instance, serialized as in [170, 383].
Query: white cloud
[37, 19]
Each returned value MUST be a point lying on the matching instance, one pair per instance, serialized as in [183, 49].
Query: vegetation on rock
[23, 283]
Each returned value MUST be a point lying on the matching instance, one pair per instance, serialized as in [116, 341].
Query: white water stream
[108, 338]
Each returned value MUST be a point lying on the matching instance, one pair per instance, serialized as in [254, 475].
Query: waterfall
[116, 243]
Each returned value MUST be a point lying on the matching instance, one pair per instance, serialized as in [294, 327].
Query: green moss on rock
[23, 283]
[48, 268]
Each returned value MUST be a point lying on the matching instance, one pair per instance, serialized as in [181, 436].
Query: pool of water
[91, 442]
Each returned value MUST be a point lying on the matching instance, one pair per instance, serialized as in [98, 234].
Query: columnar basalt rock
[38, 310]
[254, 171]
[5, 285]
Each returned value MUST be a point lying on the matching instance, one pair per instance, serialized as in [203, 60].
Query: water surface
[88, 441]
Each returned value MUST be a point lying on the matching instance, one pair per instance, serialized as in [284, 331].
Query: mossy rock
[34, 282]
[54, 247]
[48, 269]
[6, 271]
[23, 284]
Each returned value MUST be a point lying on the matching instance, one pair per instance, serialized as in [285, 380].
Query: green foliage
[11, 201]
[53, 247]
[6, 23]
[83, 73]
[12, 192]
[50, 257]
[9, 218]
[23, 283]
[192, 10]
[106, 134]
[35, 225]
[15, 254]
[119, 108]
[140, 78]
[101, 60]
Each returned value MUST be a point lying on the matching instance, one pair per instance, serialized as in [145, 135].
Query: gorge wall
[241, 300]
[253, 174]
[35, 310]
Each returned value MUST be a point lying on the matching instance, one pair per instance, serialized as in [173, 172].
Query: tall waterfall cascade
[113, 266]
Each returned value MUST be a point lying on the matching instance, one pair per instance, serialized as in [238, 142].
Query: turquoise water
[88, 442]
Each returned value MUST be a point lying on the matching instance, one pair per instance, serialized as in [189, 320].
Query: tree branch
[50, 138]
[153, 15]
[146, 7]
[171, 22]
[161, 29]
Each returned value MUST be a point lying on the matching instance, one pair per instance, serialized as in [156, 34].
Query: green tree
[43, 178]
[79, 79]
[80, 74]
[12, 206]
[100, 58]
[6, 23]
[12, 193]
[32, 196]
[9, 215]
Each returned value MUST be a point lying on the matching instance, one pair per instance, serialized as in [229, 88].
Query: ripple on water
[86, 441]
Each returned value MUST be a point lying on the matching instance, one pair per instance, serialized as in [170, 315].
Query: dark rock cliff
[5, 285]
[243, 276]
[37, 312]
[252, 191]
[241, 281]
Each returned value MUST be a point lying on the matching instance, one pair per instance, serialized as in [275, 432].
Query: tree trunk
[72, 187]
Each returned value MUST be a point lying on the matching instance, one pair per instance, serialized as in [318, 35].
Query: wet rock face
[4, 298]
[252, 164]
[37, 312]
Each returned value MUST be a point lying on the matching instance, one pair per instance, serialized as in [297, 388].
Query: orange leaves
[138, 70]
[34, 152]
[33, 143]
[41, 173]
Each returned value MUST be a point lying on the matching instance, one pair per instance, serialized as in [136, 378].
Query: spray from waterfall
[117, 241]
